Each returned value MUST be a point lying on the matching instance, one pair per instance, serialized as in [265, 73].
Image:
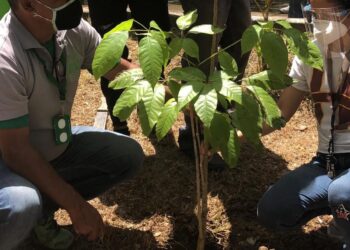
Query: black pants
[106, 14]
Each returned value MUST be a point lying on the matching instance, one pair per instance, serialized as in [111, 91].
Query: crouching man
[44, 163]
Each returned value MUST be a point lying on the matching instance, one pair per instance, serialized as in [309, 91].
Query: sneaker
[284, 10]
[49, 235]
[215, 163]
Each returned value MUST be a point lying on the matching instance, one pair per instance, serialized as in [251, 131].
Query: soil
[156, 209]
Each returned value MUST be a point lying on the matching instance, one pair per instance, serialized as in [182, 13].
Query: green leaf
[129, 99]
[174, 88]
[250, 38]
[285, 24]
[270, 109]
[123, 26]
[305, 49]
[185, 21]
[267, 25]
[205, 29]
[248, 118]
[188, 92]
[267, 80]
[231, 90]
[191, 48]
[228, 64]
[206, 103]
[154, 102]
[161, 39]
[126, 79]
[275, 53]
[188, 74]
[167, 118]
[151, 59]
[143, 117]
[175, 47]
[155, 26]
[219, 130]
[230, 150]
[108, 53]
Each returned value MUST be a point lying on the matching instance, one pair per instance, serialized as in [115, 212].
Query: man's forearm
[122, 65]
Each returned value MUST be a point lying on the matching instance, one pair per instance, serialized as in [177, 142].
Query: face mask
[65, 17]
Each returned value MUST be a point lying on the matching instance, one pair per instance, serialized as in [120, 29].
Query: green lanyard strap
[60, 84]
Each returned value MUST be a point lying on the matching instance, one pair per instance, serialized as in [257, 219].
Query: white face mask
[327, 32]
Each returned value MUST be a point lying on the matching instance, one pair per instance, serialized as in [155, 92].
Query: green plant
[264, 8]
[194, 91]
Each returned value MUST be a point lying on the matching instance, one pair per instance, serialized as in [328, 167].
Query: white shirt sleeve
[301, 74]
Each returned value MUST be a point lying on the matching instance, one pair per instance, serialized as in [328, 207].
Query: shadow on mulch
[166, 186]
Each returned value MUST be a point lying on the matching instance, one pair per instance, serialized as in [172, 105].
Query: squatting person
[322, 185]
[44, 163]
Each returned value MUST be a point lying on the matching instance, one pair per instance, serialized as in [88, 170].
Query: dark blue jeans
[95, 161]
[306, 193]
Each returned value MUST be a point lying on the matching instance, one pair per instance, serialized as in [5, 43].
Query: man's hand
[87, 221]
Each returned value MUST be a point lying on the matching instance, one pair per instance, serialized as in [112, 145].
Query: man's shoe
[49, 235]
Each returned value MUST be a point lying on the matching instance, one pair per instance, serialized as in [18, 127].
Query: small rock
[263, 248]
[157, 234]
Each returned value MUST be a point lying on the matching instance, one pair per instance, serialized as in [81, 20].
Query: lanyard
[57, 75]
[335, 97]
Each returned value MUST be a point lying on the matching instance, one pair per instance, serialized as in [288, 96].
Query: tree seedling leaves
[305, 49]
[151, 59]
[191, 48]
[275, 53]
[174, 88]
[230, 150]
[123, 26]
[188, 92]
[155, 26]
[143, 117]
[269, 107]
[161, 39]
[108, 53]
[167, 118]
[228, 64]
[248, 119]
[285, 24]
[189, 74]
[206, 103]
[250, 38]
[130, 98]
[267, 80]
[126, 79]
[175, 47]
[206, 29]
[185, 21]
[150, 107]
[219, 130]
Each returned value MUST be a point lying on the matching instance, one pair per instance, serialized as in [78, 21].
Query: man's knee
[276, 215]
[339, 194]
[20, 208]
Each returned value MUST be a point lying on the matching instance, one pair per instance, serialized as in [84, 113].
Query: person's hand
[87, 221]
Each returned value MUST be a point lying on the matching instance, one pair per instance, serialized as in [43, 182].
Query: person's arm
[122, 65]
[22, 158]
[288, 103]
